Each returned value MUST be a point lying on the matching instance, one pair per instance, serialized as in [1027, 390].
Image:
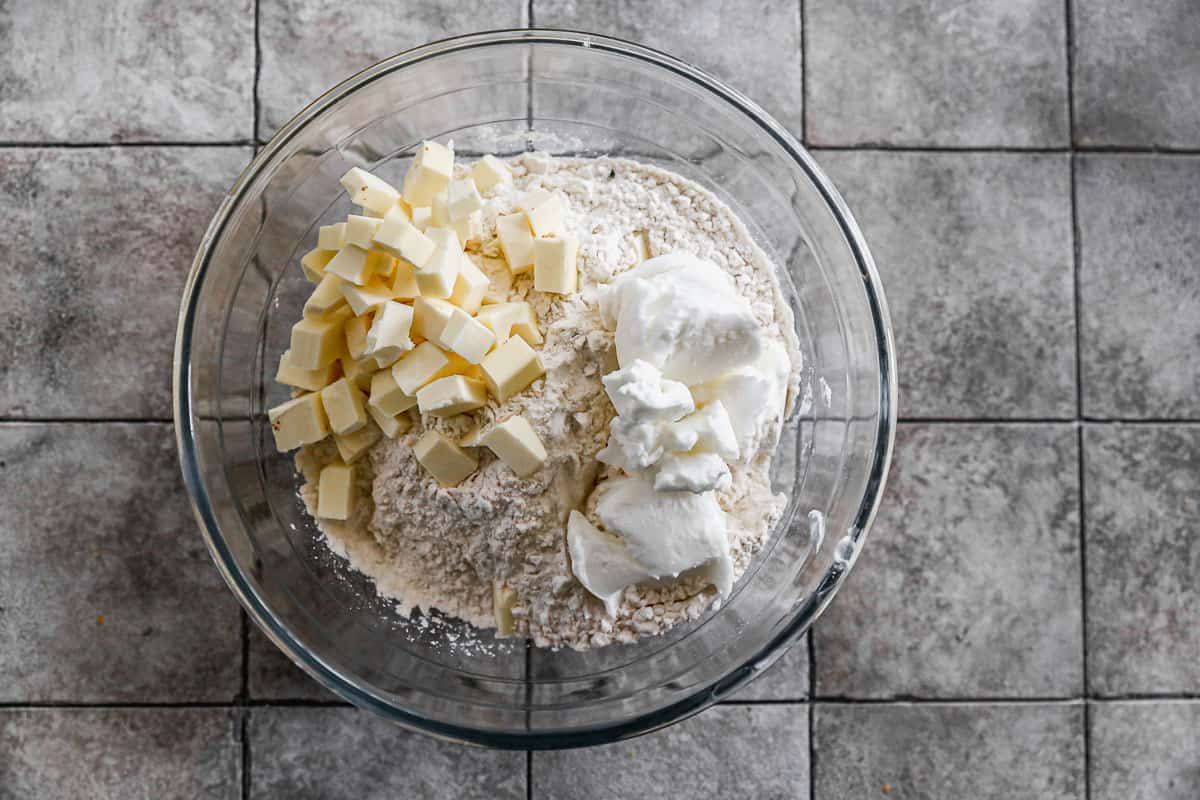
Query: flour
[428, 547]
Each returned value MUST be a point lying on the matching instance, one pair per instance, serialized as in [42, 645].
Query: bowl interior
[506, 93]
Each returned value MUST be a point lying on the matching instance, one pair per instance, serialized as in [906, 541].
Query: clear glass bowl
[507, 92]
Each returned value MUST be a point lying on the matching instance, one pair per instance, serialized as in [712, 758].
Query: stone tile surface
[335, 753]
[1137, 73]
[272, 675]
[308, 46]
[753, 46]
[725, 752]
[107, 593]
[1145, 750]
[786, 679]
[1139, 285]
[131, 70]
[119, 753]
[1142, 501]
[97, 247]
[1027, 751]
[975, 255]
[943, 73]
[970, 585]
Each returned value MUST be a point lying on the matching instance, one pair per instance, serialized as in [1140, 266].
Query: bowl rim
[849, 548]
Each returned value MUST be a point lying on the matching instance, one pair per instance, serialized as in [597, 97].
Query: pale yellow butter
[359, 371]
[516, 242]
[470, 287]
[464, 335]
[469, 228]
[335, 492]
[387, 396]
[503, 600]
[500, 279]
[366, 298]
[510, 368]
[388, 337]
[430, 316]
[325, 298]
[462, 199]
[352, 446]
[312, 380]
[356, 336]
[544, 211]
[437, 276]
[298, 422]
[421, 217]
[345, 406]
[331, 237]
[404, 281]
[369, 191]
[430, 171]
[391, 425]
[313, 263]
[448, 463]
[316, 341]
[399, 237]
[490, 171]
[418, 367]
[515, 442]
[360, 230]
[554, 267]
[451, 395]
[508, 319]
[350, 264]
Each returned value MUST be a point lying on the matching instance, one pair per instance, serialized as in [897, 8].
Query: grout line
[812, 714]
[1147, 421]
[966, 150]
[837, 700]
[1069, 31]
[244, 697]
[233, 705]
[86, 420]
[528, 775]
[529, 15]
[118, 145]
[245, 723]
[257, 69]
[803, 75]
[1083, 612]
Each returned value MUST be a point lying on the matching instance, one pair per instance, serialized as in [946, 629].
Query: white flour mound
[429, 547]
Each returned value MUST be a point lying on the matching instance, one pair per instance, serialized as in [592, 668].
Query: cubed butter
[469, 228]
[470, 287]
[516, 242]
[466, 336]
[331, 237]
[448, 463]
[544, 211]
[352, 446]
[510, 368]
[428, 174]
[437, 277]
[462, 199]
[350, 264]
[554, 265]
[335, 492]
[430, 316]
[345, 406]
[451, 395]
[503, 600]
[298, 422]
[316, 341]
[418, 367]
[515, 442]
[500, 279]
[387, 396]
[313, 263]
[490, 171]
[404, 281]
[360, 230]
[366, 298]
[312, 380]
[387, 338]
[509, 319]
[439, 211]
[398, 237]
[391, 425]
[369, 191]
[421, 217]
[356, 336]
[380, 265]
[359, 371]
[325, 298]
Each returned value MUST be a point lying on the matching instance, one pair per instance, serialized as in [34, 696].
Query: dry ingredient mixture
[459, 549]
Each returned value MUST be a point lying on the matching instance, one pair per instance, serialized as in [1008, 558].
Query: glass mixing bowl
[507, 92]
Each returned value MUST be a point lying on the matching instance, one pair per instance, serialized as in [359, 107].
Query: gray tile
[106, 591]
[1137, 73]
[726, 752]
[753, 46]
[976, 259]
[336, 753]
[119, 753]
[786, 679]
[1142, 500]
[947, 750]
[273, 676]
[308, 46]
[970, 583]
[943, 73]
[1139, 285]
[98, 244]
[133, 70]
[1145, 750]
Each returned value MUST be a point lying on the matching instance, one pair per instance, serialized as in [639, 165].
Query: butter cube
[298, 422]
[353, 445]
[451, 395]
[386, 395]
[359, 371]
[448, 463]
[462, 199]
[335, 492]
[366, 298]
[356, 336]
[503, 600]
[469, 228]
[516, 444]
[392, 426]
[516, 242]
[544, 210]
[554, 265]
[380, 265]
[313, 263]
[430, 316]
[312, 380]
[429, 173]
[508, 319]
[436, 279]
[404, 281]
[345, 406]
[350, 264]
[510, 368]
[490, 171]
[360, 230]
[369, 191]
[443, 236]
[464, 335]
[331, 237]
[316, 342]
[387, 339]
[499, 278]
[418, 367]
[421, 217]
[470, 287]
[439, 211]
[325, 298]
[398, 237]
